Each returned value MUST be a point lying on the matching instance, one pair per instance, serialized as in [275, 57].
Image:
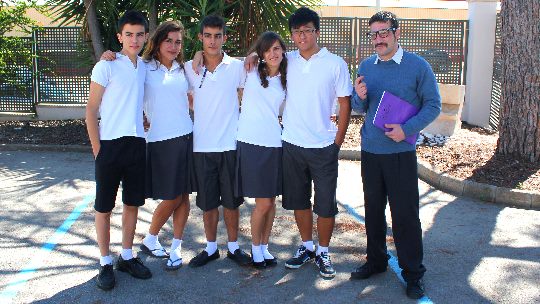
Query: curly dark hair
[384, 16]
[263, 44]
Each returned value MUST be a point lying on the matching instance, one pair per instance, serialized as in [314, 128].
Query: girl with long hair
[259, 168]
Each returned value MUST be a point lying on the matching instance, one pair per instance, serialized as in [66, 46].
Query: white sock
[256, 253]
[127, 254]
[151, 241]
[233, 246]
[267, 255]
[176, 243]
[176, 254]
[309, 245]
[211, 247]
[105, 260]
[321, 249]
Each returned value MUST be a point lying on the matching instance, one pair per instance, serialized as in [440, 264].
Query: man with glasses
[389, 168]
[316, 79]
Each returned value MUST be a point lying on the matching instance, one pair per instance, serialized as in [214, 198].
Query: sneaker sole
[298, 266]
[327, 275]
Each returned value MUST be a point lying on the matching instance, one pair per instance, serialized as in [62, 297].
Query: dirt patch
[470, 154]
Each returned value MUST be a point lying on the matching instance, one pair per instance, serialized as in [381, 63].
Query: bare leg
[325, 227]
[263, 207]
[210, 219]
[232, 218]
[129, 223]
[304, 222]
[180, 216]
[103, 232]
[162, 213]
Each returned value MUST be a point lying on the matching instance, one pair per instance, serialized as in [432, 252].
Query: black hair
[303, 16]
[133, 18]
[384, 16]
[263, 44]
[214, 21]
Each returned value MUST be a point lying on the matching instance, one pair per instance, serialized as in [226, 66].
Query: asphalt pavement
[474, 252]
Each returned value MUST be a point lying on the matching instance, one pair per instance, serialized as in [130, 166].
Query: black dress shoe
[270, 262]
[415, 289]
[134, 267]
[105, 279]
[203, 258]
[258, 265]
[240, 257]
[365, 271]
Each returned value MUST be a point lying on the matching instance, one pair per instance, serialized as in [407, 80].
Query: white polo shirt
[215, 103]
[121, 108]
[165, 102]
[313, 87]
[258, 123]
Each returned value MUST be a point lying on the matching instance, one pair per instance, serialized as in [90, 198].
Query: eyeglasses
[303, 32]
[203, 77]
[382, 33]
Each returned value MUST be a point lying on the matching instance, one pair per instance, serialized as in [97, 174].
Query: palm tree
[246, 19]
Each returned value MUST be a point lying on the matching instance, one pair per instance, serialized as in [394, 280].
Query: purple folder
[394, 110]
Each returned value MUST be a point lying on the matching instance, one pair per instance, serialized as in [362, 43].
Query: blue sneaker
[302, 256]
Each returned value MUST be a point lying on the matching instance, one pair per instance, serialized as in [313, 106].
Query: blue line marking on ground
[28, 272]
[393, 262]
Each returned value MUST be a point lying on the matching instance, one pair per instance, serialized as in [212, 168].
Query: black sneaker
[134, 267]
[240, 257]
[365, 271]
[301, 257]
[325, 265]
[415, 289]
[203, 258]
[105, 279]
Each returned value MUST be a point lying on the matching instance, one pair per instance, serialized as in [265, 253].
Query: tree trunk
[519, 125]
[152, 17]
[93, 28]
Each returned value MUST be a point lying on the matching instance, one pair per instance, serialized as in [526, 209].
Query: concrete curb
[439, 180]
[484, 192]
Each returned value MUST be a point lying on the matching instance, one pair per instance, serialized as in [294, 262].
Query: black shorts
[169, 167]
[258, 171]
[301, 166]
[120, 160]
[214, 178]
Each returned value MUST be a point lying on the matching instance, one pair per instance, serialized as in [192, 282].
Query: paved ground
[474, 252]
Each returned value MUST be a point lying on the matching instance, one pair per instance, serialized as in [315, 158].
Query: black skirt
[169, 167]
[258, 171]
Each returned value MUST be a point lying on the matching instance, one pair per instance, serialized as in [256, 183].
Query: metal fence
[16, 93]
[64, 70]
[59, 72]
[495, 108]
[443, 43]
[61, 68]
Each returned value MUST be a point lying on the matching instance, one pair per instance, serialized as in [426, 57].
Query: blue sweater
[411, 80]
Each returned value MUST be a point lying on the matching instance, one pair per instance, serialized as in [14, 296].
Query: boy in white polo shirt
[216, 111]
[116, 95]
[316, 78]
